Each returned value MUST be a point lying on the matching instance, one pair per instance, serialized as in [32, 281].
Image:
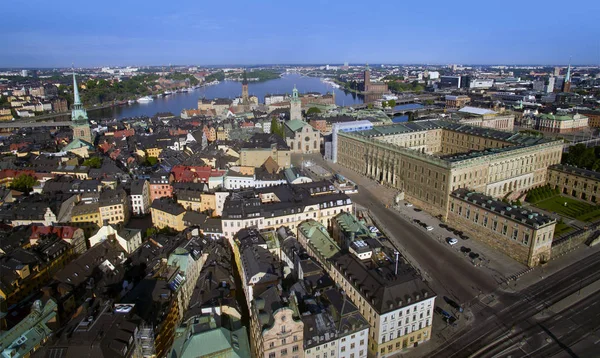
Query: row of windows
[503, 228]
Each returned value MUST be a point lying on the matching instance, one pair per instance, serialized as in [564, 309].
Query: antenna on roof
[396, 254]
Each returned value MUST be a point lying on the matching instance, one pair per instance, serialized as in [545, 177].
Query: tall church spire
[567, 82]
[78, 113]
[76, 99]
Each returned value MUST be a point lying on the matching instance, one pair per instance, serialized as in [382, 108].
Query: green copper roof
[349, 223]
[319, 238]
[295, 125]
[217, 342]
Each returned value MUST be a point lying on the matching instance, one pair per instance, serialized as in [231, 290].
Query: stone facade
[579, 183]
[295, 106]
[524, 235]
[427, 160]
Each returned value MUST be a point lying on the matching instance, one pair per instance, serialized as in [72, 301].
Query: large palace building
[428, 160]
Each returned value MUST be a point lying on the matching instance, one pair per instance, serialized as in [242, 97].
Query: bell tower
[79, 118]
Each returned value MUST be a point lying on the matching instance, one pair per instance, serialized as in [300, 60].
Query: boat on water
[145, 99]
[166, 93]
[130, 101]
[330, 82]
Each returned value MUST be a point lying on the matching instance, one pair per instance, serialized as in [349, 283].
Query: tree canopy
[313, 110]
[277, 128]
[583, 157]
[94, 162]
[24, 183]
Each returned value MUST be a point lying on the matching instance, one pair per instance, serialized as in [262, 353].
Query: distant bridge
[400, 112]
[22, 124]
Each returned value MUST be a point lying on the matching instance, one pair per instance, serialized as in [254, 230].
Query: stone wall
[498, 242]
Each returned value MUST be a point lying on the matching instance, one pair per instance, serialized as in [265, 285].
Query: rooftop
[576, 171]
[515, 213]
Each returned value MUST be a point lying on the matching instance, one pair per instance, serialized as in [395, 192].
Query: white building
[128, 239]
[276, 208]
[274, 98]
[344, 127]
[140, 197]
[481, 83]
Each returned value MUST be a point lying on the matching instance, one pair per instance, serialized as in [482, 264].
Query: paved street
[493, 323]
[448, 273]
[492, 309]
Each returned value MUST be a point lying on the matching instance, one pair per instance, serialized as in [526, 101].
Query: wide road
[450, 274]
[570, 333]
[493, 324]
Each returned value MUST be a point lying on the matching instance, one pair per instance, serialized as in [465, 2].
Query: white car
[429, 228]
[408, 205]
[451, 241]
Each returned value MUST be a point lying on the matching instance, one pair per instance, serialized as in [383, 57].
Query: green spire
[76, 98]
[568, 75]
[78, 113]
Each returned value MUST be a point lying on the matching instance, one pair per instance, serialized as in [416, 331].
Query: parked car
[473, 255]
[453, 303]
[451, 241]
[409, 205]
[429, 228]
[464, 249]
[417, 210]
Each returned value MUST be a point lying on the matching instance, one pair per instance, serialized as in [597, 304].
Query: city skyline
[129, 34]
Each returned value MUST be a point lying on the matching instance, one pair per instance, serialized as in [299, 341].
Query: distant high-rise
[556, 71]
[79, 118]
[295, 106]
[550, 84]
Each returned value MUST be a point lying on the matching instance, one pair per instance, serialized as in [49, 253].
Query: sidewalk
[555, 265]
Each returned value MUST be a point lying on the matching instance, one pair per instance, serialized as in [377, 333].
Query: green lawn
[574, 209]
[561, 228]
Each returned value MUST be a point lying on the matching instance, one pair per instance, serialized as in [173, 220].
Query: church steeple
[76, 98]
[567, 82]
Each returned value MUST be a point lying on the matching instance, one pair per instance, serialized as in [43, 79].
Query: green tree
[24, 183]
[151, 161]
[93, 162]
[392, 103]
[370, 106]
[313, 110]
[384, 104]
[274, 125]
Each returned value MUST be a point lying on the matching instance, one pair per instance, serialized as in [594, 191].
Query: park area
[574, 209]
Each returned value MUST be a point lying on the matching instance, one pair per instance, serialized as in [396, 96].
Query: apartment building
[287, 205]
[167, 213]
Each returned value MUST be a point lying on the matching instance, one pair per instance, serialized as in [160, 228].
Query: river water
[177, 102]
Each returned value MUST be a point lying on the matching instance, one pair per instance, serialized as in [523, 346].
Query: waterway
[177, 102]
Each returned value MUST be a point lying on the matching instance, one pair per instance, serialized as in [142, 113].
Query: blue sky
[57, 33]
